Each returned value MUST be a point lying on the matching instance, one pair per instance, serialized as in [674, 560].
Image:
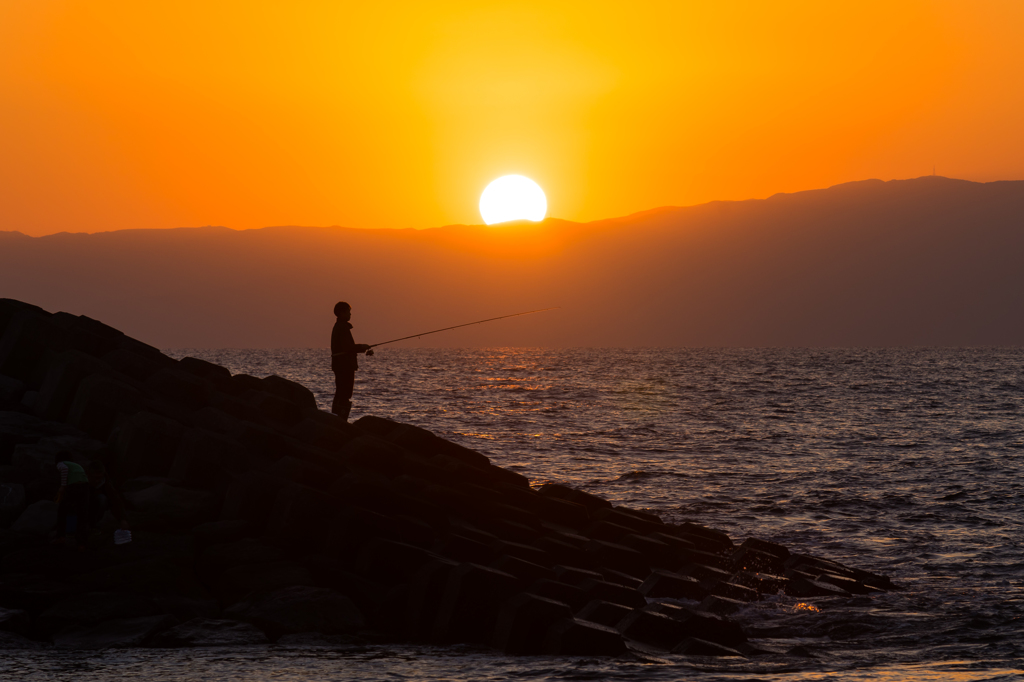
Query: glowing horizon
[127, 115]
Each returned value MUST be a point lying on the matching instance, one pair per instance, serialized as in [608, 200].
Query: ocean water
[906, 462]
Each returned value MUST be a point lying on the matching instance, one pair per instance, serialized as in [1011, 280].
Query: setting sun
[513, 197]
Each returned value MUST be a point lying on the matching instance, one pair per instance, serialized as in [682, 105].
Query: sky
[118, 115]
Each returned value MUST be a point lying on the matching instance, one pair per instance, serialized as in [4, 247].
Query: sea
[902, 461]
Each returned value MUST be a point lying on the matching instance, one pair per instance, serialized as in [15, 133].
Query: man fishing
[344, 364]
[344, 350]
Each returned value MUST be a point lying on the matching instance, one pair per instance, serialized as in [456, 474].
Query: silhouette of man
[344, 350]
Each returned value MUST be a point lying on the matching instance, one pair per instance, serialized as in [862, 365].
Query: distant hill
[930, 261]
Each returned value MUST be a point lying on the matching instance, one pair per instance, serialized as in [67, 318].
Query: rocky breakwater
[258, 518]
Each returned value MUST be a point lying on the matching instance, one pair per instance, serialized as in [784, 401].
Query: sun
[513, 197]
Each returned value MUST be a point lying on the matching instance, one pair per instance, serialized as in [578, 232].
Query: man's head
[341, 309]
[96, 472]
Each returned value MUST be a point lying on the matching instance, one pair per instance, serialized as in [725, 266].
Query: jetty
[257, 518]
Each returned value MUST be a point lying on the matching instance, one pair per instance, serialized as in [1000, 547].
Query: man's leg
[344, 382]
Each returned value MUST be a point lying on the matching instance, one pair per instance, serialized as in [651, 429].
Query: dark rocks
[91, 608]
[162, 506]
[573, 637]
[37, 519]
[210, 632]
[470, 602]
[114, 634]
[524, 620]
[299, 609]
[660, 584]
[11, 640]
[692, 646]
[258, 518]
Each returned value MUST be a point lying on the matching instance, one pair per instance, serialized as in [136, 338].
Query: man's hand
[362, 348]
[369, 352]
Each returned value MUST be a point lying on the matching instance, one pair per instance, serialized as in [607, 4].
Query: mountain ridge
[874, 182]
[929, 261]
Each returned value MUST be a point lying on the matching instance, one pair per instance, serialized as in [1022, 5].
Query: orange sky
[134, 114]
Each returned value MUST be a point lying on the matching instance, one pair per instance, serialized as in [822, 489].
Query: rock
[611, 592]
[637, 522]
[803, 589]
[38, 518]
[470, 602]
[704, 573]
[761, 582]
[26, 339]
[387, 560]
[732, 591]
[525, 571]
[691, 646]
[216, 559]
[11, 389]
[561, 592]
[277, 410]
[210, 632]
[523, 622]
[426, 597]
[137, 366]
[14, 620]
[86, 610]
[704, 539]
[146, 445]
[604, 613]
[618, 557]
[704, 625]
[620, 578]
[114, 634]
[846, 583]
[152, 576]
[655, 629]
[249, 498]
[574, 637]
[12, 502]
[207, 460]
[100, 401]
[772, 548]
[32, 593]
[300, 609]
[661, 584]
[185, 608]
[237, 582]
[65, 373]
[300, 516]
[28, 400]
[166, 507]
[315, 640]
[746, 558]
[721, 606]
[205, 370]
[181, 388]
[561, 492]
[10, 640]
[220, 532]
[294, 393]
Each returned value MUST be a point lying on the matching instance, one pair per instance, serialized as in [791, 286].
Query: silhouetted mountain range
[929, 261]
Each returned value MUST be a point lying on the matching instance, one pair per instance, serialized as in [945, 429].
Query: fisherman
[344, 364]
[84, 494]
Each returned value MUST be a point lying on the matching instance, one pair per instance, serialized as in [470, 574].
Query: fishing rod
[490, 319]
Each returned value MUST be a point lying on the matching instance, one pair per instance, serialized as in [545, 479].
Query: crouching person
[85, 493]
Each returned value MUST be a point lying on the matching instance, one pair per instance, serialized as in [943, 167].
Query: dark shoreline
[257, 517]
